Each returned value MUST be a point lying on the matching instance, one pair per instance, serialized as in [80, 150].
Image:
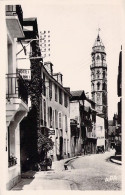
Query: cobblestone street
[91, 172]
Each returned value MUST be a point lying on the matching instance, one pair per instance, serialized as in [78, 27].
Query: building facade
[33, 152]
[16, 95]
[76, 102]
[87, 126]
[55, 111]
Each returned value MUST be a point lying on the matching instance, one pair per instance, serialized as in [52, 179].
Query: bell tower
[99, 77]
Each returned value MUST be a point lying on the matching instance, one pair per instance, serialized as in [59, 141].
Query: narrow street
[91, 172]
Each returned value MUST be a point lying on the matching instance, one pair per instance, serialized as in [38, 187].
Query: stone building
[55, 111]
[84, 123]
[16, 94]
[99, 81]
[76, 102]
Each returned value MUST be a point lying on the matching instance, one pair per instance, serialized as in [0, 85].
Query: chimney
[58, 77]
[49, 67]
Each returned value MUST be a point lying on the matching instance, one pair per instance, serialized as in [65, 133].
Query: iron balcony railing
[16, 87]
[12, 10]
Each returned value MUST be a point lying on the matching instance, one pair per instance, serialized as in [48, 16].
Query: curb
[116, 161]
[66, 163]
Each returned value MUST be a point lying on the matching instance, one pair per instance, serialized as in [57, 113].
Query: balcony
[16, 87]
[14, 20]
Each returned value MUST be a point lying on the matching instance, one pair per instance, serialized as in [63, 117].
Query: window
[92, 75]
[41, 111]
[104, 86]
[92, 86]
[103, 74]
[45, 112]
[60, 96]
[50, 118]
[65, 100]
[12, 160]
[98, 86]
[93, 97]
[66, 123]
[56, 93]
[56, 119]
[60, 120]
[53, 125]
[98, 74]
[50, 89]
[98, 57]
[64, 146]
[43, 85]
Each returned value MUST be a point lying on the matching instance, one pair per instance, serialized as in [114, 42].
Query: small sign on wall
[51, 132]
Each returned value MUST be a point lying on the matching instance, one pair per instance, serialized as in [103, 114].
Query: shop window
[12, 160]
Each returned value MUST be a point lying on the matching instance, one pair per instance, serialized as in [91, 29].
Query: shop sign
[51, 132]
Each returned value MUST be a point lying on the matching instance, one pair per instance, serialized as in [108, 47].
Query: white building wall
[65, 111]
[16, 108]
[100, 131]
[75, 114]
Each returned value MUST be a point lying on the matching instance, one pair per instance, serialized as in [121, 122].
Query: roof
[78, 95]
[90, 101]
[29, 19]
[98, 42]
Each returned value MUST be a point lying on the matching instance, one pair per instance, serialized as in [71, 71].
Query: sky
[73, 26]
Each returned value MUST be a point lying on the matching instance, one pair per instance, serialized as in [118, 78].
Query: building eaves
[55, 81]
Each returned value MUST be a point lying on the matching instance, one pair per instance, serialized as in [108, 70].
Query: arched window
[92, 86]
[104, 86]
[92, 75]
[98, 58]
[98, 86]
[103, 74]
